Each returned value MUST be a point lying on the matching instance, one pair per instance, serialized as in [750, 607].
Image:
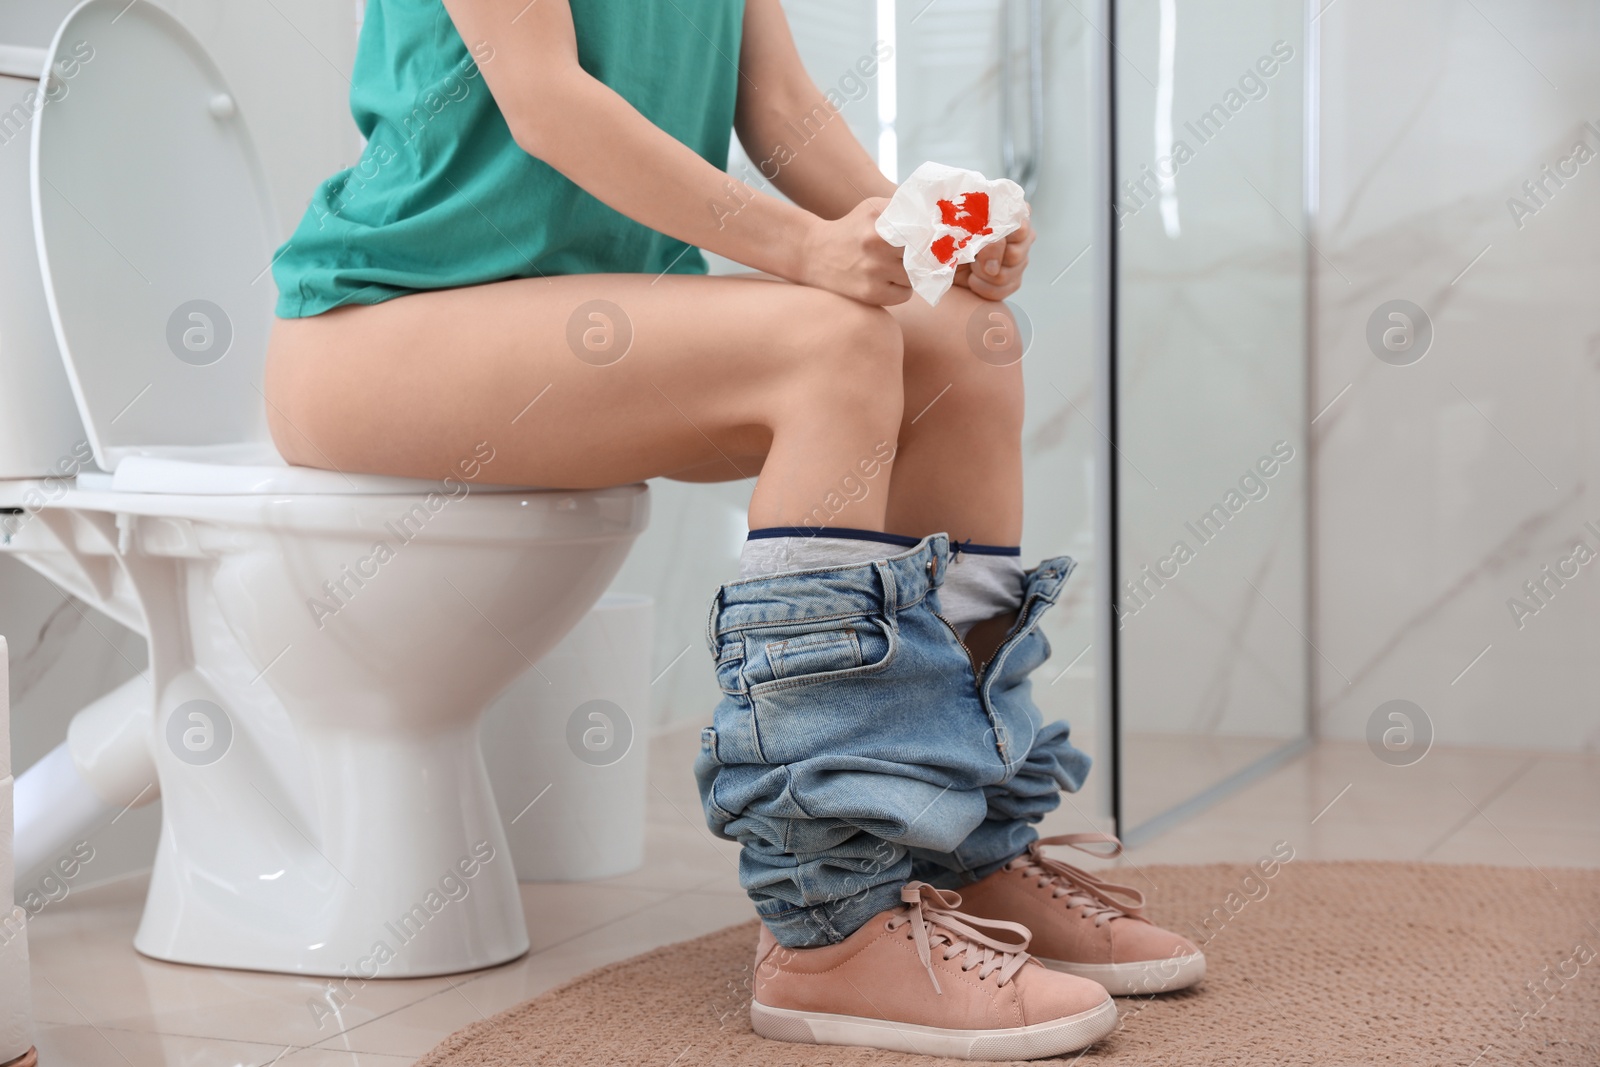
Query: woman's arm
[786, 125]
[804, 147]
[560, 114]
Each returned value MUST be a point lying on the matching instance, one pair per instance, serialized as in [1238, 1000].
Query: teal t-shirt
[443, 197]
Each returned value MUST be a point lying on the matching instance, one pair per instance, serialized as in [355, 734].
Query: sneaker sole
[1066, 1034]
[1138, 979]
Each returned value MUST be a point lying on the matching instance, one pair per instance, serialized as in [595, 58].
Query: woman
[525, 226]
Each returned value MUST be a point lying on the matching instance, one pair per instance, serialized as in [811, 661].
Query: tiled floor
[1162, 771]
[99, 1003]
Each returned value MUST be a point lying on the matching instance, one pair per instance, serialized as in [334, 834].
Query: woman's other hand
[997, 272]
[848, 257]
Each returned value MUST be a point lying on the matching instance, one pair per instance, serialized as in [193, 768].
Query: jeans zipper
[1016, 628]
[977, 674]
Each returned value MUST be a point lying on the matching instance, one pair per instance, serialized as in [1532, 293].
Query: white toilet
[321, 645]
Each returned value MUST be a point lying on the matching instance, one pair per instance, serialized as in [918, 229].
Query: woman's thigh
[578, 381]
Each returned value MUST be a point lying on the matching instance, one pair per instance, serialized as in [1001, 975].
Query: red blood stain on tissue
[971, 215]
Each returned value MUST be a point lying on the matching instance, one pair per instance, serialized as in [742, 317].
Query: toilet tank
[40, 429]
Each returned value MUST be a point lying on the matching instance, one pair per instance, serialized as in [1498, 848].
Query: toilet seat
[155, 235]
[152, 474]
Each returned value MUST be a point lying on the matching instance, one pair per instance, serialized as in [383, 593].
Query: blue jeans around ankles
[855, 742]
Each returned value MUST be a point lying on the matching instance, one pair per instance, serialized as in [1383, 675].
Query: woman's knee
[846, 359]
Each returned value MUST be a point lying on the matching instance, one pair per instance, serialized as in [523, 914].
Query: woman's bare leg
[959, 465]
[959, 469]
[723, 378]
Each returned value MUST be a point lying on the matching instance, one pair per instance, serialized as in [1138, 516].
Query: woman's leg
[692, 377]
[959, 468]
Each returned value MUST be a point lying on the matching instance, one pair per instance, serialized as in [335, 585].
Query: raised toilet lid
[155, 235]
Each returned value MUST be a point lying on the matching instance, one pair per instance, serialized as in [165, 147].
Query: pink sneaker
[1084, 926]
[921, 978]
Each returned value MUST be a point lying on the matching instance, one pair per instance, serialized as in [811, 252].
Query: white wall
[1446, 485]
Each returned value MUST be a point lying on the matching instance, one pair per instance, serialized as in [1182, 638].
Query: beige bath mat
[1332, 964]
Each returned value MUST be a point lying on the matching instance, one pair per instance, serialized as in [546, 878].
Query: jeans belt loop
[1052, 574]
[711, 621]
[891, 589]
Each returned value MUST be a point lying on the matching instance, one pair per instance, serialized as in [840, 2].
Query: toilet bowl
[321, 645]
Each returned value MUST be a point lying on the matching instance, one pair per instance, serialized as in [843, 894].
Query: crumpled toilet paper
[943, 217]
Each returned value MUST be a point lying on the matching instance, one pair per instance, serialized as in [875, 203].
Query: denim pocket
[783, 657]
[830, 650]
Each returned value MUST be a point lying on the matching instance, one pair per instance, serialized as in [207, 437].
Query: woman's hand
[997, 272]
[848, 257]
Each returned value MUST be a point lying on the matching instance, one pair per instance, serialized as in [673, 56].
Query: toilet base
[414, 879]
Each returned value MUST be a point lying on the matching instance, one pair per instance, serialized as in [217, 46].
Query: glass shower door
[1209, 355]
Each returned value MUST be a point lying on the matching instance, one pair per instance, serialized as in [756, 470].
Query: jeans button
[933, 568]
